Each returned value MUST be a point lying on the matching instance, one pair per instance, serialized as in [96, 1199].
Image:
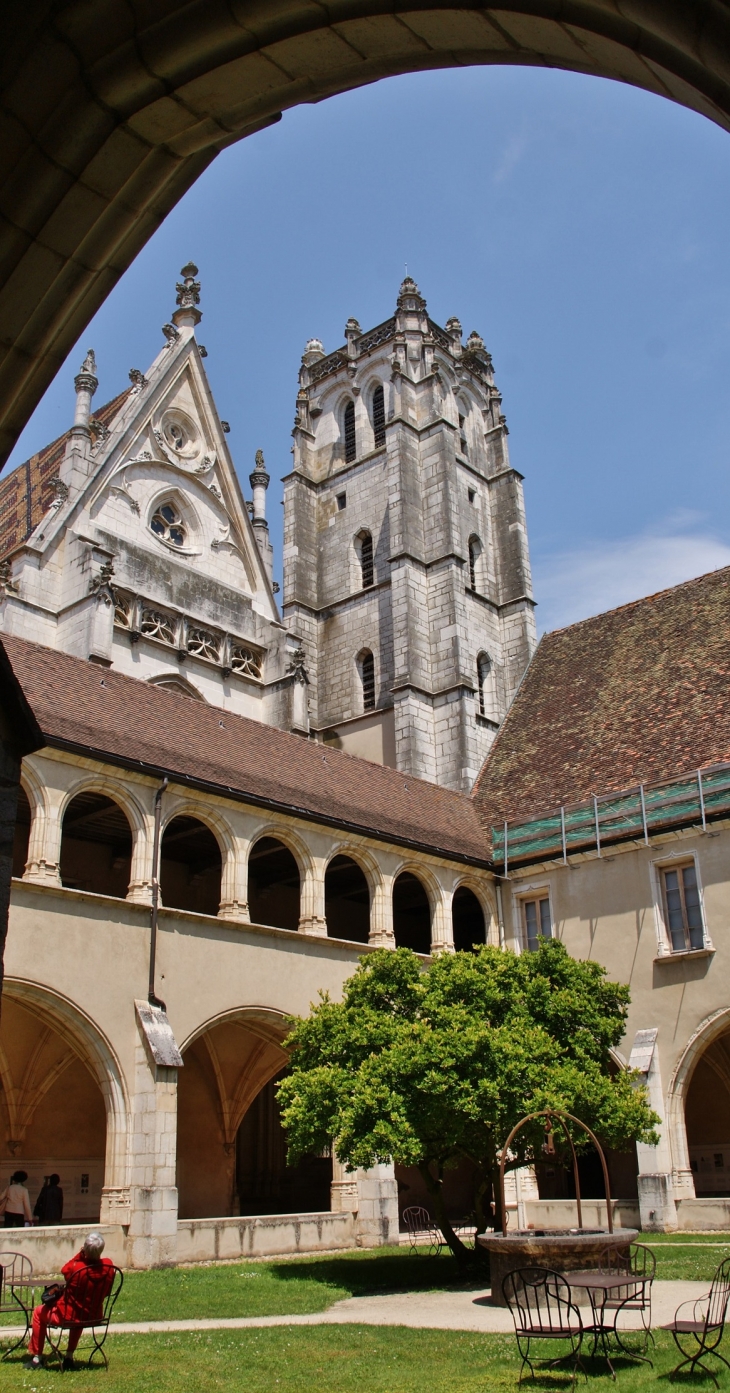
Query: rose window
[168, 525]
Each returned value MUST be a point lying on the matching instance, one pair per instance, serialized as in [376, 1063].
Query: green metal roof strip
[671, 803]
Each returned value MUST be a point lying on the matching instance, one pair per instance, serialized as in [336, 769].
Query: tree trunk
[435, 1190]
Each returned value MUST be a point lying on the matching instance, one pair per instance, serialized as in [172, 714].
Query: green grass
[687, 1257]
[331, 1359]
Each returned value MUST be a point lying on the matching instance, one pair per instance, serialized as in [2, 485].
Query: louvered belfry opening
[379, 416]
[366, 560]
[473, 558]
[350, 442]
[367, 672]
[96, 846]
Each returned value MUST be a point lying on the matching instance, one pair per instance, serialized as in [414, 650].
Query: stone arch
[212, 881]
[366, 691]
[81, 862]
[349, 895]
[227, 79]
[413, 871]
[175, 682]
[707, 1033]
[89, 1045]
[188, 516]
[281, 907]
[467, 884]
[231, 1060]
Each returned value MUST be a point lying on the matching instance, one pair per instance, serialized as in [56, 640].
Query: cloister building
[226, 806]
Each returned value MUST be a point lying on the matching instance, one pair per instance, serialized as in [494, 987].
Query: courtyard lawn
[340, 1359]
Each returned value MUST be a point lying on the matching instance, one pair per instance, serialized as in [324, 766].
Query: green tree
[432, 1066]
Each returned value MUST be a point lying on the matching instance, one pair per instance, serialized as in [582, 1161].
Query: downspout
[153, 999]
[500, 915]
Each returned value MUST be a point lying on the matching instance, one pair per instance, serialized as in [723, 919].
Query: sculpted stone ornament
[87, 378]
[137, 379]
[8, 586]
[188, 291]
[101, 584]
[296, 668]
[60, 493]
[172, 333]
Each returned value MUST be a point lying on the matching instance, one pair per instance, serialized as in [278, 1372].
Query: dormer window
[350, 438]
[168, 525]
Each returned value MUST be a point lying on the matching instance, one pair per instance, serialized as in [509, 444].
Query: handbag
[51, 1293]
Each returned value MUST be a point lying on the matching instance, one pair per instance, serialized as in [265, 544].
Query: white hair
[94, 1245]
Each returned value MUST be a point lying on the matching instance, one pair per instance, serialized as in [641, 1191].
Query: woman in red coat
[80, 1302]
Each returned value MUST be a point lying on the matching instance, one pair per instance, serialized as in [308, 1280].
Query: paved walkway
[432, 1310]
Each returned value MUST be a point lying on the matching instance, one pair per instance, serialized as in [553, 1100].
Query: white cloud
[573, 585]
[511, 156]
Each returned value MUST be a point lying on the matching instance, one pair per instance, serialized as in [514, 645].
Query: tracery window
[157, 624]
[245, 661]
[168, 525]
[203, 644]
[122, 612]
[379, 416]
[350, 438]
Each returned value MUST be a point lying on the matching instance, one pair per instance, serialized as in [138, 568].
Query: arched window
[467, 917]
[463, 445]
[346, 900]
[96, 846]
[350, 440]
[364, 548]
[167, 524]
[173, 682]
[475, 551]
[485, 686]
[273, 885]
[190, 867]
[366, 664]
[379, 416]
[411, 914]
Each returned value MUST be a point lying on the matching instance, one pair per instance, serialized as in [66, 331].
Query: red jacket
[82, 1301]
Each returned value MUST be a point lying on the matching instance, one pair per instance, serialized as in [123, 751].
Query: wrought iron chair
[542, 1309]
[82, 1292]
[639, 1264]
[699, 1332]
[16, 1293]
[422, 1230]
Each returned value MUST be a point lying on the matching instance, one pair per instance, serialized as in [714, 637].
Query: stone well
[561, 1250]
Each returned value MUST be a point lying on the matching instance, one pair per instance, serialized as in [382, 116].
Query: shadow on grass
[363, 1274]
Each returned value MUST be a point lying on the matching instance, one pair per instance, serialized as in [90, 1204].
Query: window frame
[532, 894]
[676, 861]
[349, 434]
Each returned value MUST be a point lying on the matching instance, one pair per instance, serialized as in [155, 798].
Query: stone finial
[475, 343]
[137, 379]
[313, 351]
[409, 296]
[86, 383]
[296, 667]
[453, 327]
[89, 363]
[171, 334]
[187, 314]
[259, 481]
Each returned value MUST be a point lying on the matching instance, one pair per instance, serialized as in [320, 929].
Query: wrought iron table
[602, 1288]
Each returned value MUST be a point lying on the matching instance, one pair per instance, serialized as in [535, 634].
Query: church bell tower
[406, 566]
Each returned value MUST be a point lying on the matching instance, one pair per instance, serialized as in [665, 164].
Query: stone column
[344, 1197]
[377, 1213]
[655, 1181]
[381, 914]
[44, 846]
[234, 882]
[312, 916]
[152, 1233]
[442, 927]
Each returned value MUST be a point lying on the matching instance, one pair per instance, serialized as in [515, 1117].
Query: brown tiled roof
[141, 726]
[26, 493]
[636, 695]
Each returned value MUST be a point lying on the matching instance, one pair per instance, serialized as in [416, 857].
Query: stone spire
[77, 461]
[187, 315]
[86, 383]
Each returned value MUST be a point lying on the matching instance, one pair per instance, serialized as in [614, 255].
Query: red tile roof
[27, 493]
[636, 695]
[140, 726]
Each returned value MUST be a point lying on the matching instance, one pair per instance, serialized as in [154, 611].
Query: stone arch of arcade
[63, 1103]
[111, 115]
[231, 1148]
[698, 1111]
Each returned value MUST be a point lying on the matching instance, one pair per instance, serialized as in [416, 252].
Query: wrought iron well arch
[563, 1118]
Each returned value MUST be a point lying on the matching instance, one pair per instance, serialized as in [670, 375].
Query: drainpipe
[500, 915]
[153, 999]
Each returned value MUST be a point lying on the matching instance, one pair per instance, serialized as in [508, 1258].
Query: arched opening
[411, 914]
[231, 1151]
[366, 669]
[349, 433]
[52, 1112]
[274, 888]
[364, 549]
[21, 836]
[96, 846]
[190, 867]
[379, 416]
[179, 685]
[467, 917]
[346, 900]
[266, 1184]
[475, 551]
[707, 1118]
[486, 687]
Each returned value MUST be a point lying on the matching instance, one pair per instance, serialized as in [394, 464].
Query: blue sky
[580, 226]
